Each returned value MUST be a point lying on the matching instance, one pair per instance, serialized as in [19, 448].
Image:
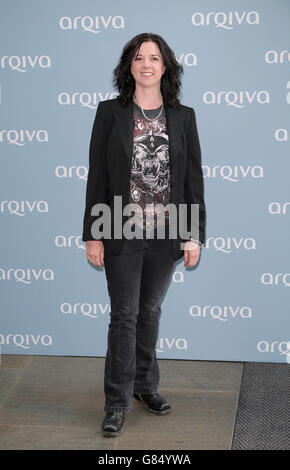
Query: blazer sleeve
[96, 190]
[194, 184]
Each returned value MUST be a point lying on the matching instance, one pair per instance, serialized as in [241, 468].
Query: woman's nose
[146, 62]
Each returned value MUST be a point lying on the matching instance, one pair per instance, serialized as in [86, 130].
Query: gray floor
[54, 402]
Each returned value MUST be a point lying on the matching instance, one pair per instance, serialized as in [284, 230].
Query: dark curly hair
[124, 81]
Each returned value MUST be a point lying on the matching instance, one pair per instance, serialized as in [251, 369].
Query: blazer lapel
[175, 119]
[125, 122]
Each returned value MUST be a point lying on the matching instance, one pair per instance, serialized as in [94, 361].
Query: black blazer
[110, 154]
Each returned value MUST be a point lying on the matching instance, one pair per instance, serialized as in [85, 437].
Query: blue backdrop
[56, 64]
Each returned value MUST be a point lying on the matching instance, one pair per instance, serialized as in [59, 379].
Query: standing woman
[145, 148]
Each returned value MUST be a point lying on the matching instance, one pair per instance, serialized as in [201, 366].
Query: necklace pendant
[146, 117]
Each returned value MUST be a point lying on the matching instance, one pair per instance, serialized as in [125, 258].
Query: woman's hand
[95, 252]
[191, 254]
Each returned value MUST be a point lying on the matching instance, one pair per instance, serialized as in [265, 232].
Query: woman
[145, 151]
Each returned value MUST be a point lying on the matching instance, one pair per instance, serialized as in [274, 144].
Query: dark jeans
[137, 279]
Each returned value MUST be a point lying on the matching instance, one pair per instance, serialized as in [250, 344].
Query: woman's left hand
[191, 253]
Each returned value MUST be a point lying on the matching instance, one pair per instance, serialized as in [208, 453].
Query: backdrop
[56, 65]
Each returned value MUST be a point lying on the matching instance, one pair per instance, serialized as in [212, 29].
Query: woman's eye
[153, 58]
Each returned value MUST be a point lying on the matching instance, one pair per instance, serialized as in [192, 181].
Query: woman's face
[147, 66]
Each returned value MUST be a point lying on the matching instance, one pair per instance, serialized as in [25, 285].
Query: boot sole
[111, 433]
[161, 412]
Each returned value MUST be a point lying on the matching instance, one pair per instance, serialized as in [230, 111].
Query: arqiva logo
[229, 244]
[24, 63]
[278, 208]
[237, 99]
[25, 276]
[23, 136]
[233, 173]
[85, 99]
[170, 343]
[25, 341]
[275, 57]
[91, 24]
[283, 347]
[23, 207]
[225, 20]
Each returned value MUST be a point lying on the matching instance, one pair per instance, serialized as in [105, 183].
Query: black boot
[113, 423]
[155, 403]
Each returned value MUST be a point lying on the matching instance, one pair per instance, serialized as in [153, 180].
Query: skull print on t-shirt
[150, 171]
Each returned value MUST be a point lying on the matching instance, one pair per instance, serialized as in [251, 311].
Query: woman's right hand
[95, 252]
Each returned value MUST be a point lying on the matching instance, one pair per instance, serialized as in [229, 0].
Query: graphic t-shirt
[150, 173]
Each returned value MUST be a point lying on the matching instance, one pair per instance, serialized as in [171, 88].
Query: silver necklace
[146, 117]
